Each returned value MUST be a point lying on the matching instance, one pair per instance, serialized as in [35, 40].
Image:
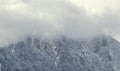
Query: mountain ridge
[62, 54]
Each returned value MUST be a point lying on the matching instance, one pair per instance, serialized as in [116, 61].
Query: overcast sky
[75, 19]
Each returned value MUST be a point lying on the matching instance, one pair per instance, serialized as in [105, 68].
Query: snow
[98, 54]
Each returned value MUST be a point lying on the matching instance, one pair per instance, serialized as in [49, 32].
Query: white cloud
[97, 6]
[19, 19]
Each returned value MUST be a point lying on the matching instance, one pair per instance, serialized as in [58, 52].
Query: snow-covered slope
[99, 54]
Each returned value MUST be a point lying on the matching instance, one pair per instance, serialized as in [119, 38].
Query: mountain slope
[62, 54]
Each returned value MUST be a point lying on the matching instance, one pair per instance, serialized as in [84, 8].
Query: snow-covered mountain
[62, 54]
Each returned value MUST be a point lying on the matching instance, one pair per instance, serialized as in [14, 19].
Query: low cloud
[45, 18]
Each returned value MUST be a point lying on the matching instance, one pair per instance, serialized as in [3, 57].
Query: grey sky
[75, 19]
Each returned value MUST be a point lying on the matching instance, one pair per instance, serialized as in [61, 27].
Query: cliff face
[63, 54]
